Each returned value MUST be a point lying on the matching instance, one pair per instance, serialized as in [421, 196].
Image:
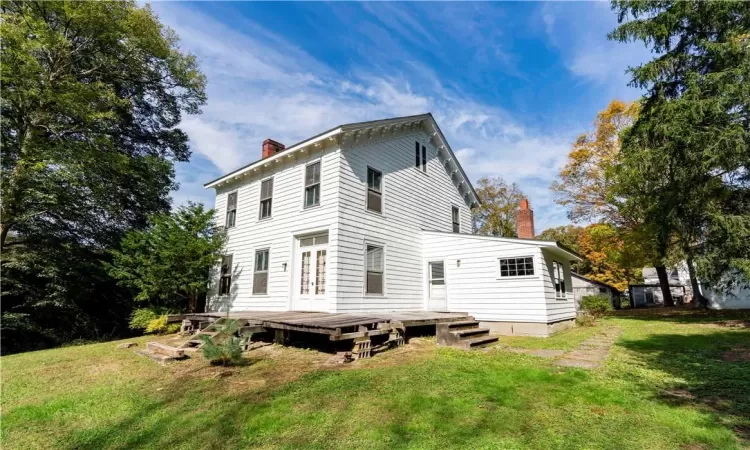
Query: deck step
[471, 332]
[479, 342]
[462, 324]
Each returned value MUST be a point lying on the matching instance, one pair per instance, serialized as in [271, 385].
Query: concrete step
[470, 333]
[158, 357]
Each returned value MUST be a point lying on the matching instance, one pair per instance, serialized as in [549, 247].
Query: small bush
[585, 320]
[226, 353]
[152, 320]
[596, 305]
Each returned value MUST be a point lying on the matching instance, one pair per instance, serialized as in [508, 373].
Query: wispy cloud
[262, 86]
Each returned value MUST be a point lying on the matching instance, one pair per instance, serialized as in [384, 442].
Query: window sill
[561, 299]
[265, 219]
[259, 295]
[374, 296]
[374, 213]
[305, 208]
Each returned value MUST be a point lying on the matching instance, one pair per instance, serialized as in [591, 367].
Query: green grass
[665, 386]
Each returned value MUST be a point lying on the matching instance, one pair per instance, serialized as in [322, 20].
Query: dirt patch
[732, 324]
[737, 354]
[676, 395]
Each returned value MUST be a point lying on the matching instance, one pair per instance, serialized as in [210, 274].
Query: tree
[496, 216]
[93, 93]
[169, 263]
[586, 184]
[607, 256]
[687, 156]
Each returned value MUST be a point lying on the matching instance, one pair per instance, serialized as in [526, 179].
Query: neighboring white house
[376, 216]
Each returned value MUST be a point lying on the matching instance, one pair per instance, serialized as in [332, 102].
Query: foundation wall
[527, 328]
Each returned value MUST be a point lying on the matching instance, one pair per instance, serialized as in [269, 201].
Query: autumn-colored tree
[586, 185]
[606, 255]
[610, 256]
[496, 216]
[589, 188]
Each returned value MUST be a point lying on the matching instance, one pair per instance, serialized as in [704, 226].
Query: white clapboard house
[374, 217]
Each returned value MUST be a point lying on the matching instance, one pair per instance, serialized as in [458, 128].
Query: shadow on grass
[687, 315]
[715, 380]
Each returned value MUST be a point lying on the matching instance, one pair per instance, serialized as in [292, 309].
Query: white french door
[310, 274]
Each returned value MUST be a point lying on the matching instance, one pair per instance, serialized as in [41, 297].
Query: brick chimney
[271, 147]
[525, 221]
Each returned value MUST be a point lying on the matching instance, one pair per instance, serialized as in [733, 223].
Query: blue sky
[510, 84]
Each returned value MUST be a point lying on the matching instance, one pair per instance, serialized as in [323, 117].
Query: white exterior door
[436, 296]
[310, 274]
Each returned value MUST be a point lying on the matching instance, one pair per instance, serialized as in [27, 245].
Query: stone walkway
[592, 352]
[589, 354]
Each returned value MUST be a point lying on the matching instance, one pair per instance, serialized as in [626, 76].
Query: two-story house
[373, 217]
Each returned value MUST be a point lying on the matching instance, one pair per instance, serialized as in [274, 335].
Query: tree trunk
[4, 228]
[666, 292]
[192, 303]
[699, 300]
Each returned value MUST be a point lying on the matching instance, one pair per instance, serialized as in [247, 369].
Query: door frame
[296, 267]
[427, 279]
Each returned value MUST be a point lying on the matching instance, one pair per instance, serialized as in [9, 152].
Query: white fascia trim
[273, 158]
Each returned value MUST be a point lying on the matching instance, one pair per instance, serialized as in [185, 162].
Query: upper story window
[374, 190]
[260, 275]
[231, 209]
[558, 278]
[312, 184]
[455, 219]
[420, 153]
[516, 267]
[225, 279]
[266, 195]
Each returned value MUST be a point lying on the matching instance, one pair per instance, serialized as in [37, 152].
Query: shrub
[596, 305]
[226, 353]
[585, 320]
[152, 320]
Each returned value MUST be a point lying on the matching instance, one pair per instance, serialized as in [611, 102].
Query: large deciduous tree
[686, 159]
[586, 185]
[92, 95]
[169, 263]
[496, 216]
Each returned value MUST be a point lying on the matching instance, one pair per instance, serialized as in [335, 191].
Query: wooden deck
[338, 326]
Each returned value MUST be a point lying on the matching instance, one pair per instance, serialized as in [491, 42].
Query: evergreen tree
[687, 156]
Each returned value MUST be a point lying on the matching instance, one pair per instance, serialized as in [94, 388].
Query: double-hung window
[455, 219]
[260, 275]
[517, 267]
[231, 209]
[225, 276]
[374, 190]
[420, 153]
[266, 195]
[312, 184]
[558, 277]
[375, 269]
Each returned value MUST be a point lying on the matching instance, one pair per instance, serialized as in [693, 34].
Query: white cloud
[263, 87]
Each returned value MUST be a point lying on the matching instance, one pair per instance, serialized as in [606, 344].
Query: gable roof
[427, 119]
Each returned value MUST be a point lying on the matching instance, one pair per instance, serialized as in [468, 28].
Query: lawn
[671, 382]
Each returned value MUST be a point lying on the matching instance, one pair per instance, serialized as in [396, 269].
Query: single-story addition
[375, 217]
[583, 287]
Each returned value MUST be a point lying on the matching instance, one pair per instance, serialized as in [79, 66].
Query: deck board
[332, 323]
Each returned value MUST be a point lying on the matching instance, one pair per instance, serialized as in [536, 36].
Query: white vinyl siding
[473, 282]
[411, 202]
[277, 232]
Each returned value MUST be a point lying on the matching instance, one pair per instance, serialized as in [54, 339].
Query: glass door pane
[320, 273]
[304, 283]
